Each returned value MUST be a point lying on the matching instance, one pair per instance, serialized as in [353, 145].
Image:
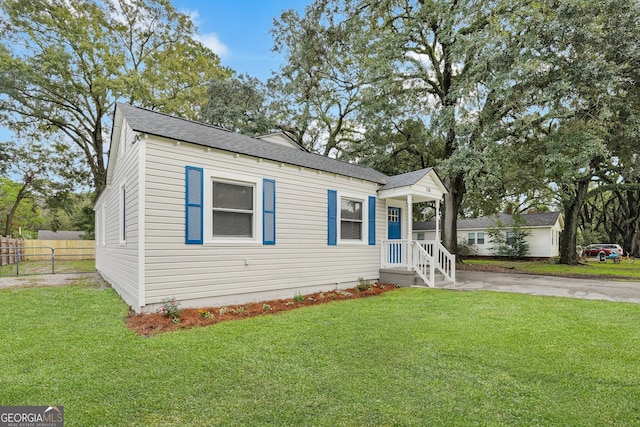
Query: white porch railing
[423, 257]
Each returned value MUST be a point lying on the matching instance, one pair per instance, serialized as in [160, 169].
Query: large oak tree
[64, 63]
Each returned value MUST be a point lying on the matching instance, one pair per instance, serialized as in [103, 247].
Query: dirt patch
[488, 268]
[155, 323]
[59, 279]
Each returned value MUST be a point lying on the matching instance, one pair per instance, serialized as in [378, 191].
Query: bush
[465, 250]
[510, 241]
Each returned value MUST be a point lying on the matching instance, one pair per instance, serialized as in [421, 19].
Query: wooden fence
[8, 247]
[62, 249]
[42, 250]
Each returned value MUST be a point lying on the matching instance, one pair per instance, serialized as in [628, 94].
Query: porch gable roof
[423, 185]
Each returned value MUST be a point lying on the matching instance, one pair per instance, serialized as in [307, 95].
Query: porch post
[409, 232]
[437, 221]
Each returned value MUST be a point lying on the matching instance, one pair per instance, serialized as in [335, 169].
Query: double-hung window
[350, 219]
[481, 238]
[229, 208]
[471, 238]
[233, 209]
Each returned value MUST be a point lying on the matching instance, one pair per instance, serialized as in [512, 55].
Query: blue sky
[237, 30]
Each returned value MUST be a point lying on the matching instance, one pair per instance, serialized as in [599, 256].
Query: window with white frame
[420, 236]
[511, 237]
[471, 238]
[233, 209]
[480, 240]
[350, 219]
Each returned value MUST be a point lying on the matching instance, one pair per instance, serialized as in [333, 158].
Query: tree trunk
[572, 207]
[631, 230]
[14, 208]
[452, 202]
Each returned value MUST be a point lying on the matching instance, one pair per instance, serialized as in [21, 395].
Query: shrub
[510, 241]
[363, 285]
[465, 249]
[171, 308]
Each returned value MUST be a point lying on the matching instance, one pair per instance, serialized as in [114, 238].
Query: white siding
[224, 273]
[543, 241]
[117, 261]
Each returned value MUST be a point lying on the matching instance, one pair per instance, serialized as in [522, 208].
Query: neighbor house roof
[545, 219]
[163, 125]
[60, 235]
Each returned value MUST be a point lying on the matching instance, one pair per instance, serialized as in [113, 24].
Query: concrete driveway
[547, 285]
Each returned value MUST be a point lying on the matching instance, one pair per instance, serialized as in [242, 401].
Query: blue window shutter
[194, 199]
[268, 212]
[332, 229]
[372, 220]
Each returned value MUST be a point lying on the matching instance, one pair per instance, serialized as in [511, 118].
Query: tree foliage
[239, 104]
[514, 102]
[319, 89]
[64, 63]
[40, 175]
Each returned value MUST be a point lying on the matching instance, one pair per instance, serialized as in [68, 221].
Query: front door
[394, 233]
[393, 224]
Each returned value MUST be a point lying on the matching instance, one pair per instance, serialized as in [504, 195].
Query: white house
[213, 217]
[544, 240]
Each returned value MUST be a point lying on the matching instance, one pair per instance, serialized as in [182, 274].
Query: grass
[408, 357]
[44, 267]
[590, 267]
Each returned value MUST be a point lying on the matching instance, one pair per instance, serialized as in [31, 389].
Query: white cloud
[212, 41]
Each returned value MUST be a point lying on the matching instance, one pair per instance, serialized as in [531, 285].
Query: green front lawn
[589, 267]
[408, 357]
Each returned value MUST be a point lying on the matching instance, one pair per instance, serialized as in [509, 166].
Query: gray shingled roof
[60, 235]
[405, 179]
[545, 219]
[159, 124]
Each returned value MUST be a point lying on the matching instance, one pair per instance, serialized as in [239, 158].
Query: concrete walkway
[547, 285]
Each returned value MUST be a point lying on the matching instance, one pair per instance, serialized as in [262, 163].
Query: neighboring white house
[213, 217]
[544, 240]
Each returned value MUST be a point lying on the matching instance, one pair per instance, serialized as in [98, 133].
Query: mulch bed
[154, 323]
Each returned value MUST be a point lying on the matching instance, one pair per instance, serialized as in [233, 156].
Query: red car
[607, 248]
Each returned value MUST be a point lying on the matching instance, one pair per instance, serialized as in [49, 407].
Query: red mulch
[154, 323]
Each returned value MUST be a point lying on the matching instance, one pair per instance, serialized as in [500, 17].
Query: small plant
[223, 311]
[289, 303]
[205, 314]
[171, 308]
[240, 310]
[266, 307]
[363, 285]
[298, 297]
[311, 299]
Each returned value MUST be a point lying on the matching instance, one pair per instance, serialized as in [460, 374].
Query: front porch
[416, 263]
[403, 259]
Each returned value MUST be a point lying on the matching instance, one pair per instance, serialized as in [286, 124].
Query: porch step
[406, 279]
